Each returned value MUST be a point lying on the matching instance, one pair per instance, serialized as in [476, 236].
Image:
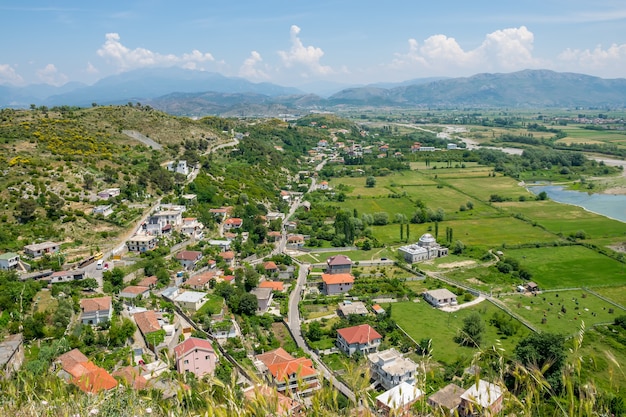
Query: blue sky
[294, 42]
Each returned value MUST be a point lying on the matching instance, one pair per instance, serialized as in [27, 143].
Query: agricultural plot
[566, 218]
[503, 186]
[469, 166]
[617, 294]
[450, 200]
[485, 278]
[375, 205]
[562, 312]
[422, 321]
[569, 267]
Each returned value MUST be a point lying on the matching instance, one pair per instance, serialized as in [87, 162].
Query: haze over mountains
[195, 93]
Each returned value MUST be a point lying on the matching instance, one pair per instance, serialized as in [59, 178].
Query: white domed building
[426, 248]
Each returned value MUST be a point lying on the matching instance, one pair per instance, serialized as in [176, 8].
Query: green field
[569, 267]
[617, 294]
[482, 189]
[374, 205]
[580, 306]
[422, 321]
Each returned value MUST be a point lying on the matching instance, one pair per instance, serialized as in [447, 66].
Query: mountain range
[195, 93]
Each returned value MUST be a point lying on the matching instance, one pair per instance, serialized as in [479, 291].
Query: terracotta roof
[227, 255]
[148, 281]
[147, 321]
[95, 304]
[94, 380]
[70, 359]
[191, 344]
[274, 234]
[274, 285]
[200, 279]
[338, 260]
[135, 289]
[269, 265]
[132, 377]
[234, 221]
[228, 278]
[295, 238]
[363, 333]
[282, 365]
[330, 279]
[188, 255]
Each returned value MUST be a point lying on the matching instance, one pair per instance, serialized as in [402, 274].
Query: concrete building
[135, 292]
[295, 376]
[38, 250]
[338, 264]
[447, 399]
[9, 261]
[425, 248]
[141, 243]
[481, 399]
[104, 210]
[11, 355]
[196, 356]
[191, 300]
[96, 310]
[264, 295]
[440, 297]
[398, 400]
[389, 368]
[67, 276]
[179, 167]
[358, 339]
[337, 283]
[352, 307]
[189, 258]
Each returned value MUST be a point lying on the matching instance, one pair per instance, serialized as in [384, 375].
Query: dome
[427, 240]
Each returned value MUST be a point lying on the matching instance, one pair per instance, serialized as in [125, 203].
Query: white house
[179, 167]
[362, 339]
[109, 193]
[390, 368]
[141, 243]
[9, 260]
[38, 250]
[96, 310]
[337, 283]
[440, 297]
[482, 398]
[192, 227]
[67, 276]
[398, 400]
[191, 300]
[105, 210]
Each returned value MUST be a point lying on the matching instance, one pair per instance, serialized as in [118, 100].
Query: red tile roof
[148, 281]
[274, 285]
[147, 321]
[269, 265]
[227, 255]
[363, 333]
[338, 260]
[200, 279]
[188, 255]
[191, 344]
[330, 279]
[86, 375]
[282, 365]
[135, 289]
[95, 304]
[131, 377]
[234, 221]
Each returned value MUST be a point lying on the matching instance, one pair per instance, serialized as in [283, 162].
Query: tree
[370, 182]
[544, 350]
[26, 209]
[472, 332]
[248, 304]
[458, 247]
[542, 196]
[54, 208]
[88, 181]
[315, 331]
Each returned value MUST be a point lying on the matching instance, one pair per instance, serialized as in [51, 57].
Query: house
[78, 370]
[189, 258]
[148, 324]
[162, 218]
[233, 223]
[9, 260]
[425, 248]
[149, 282]
[179, 167]
[270, 267]
[451, 146]
[109, 193]
[284, 406]
[285, 195]
[11, 354]
[196, 356]
[288, 374]
[222, 244]
[67, 276]
[271, 216]
[264, 295]
[337, 283]
[415, 147]
[447, 399]
[440, 297]
[133, 292]
[221, 213]
[141, 243]
[398, 400]
[532, 287]
[323, 185]
[295, 241]
[427, 149]
[378, 309]
[104, 210]
[193, 228]
[352, 307]
[223, 330]
[131, 377]
[228, 257]
[274, 236]
[481, 399]
[273, 285]
[200, 281]
[338, 264]
[362, 339]
[389, 368]
[191, 300]
[38, 250]
[96, 310]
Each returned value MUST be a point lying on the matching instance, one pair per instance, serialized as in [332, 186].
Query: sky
[295, 42]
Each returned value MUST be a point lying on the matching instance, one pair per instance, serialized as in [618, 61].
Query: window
[186, 362]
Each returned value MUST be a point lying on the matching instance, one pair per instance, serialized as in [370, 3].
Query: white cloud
[507, 49]
[125, 58]
[306, 57]
[8, 75]
[91, 69]
[51, 75]
[608, 62]
[250, 69]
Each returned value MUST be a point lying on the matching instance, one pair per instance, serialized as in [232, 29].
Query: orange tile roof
[227, 255]
[132, 377]
[135, 289]
[148, 281]
[147, 321]
[234, 221]
[330, 279]
[363, 333]
[285, 406]
[274, 285]
[71, 359]
[95, 304]
[95, 380]
[269, 265]
[200, 279]
[283, 366]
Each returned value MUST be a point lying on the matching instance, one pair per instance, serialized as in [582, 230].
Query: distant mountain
[196, 93]
[528, 88]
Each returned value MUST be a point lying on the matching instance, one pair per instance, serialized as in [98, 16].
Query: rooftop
[273, 285]
[400, 395]
[338, 260]
[40, 246]
[330, 279]
[363, 333]
[483, 393]
[191, 297]
[441, 293]
[95, 304]
[448, 397]
[191, 344]
[9, 255]
[262, 293]
[147, 321]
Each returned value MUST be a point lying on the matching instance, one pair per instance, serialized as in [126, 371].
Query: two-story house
[11, 354]
[96, 310]
[481, 399]
[289, 374]
[390, 368]
[338, 264]
[196, 356]
[358, 339]
[141, 243]
[337, 283]
[9, 260]
[188, 258]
